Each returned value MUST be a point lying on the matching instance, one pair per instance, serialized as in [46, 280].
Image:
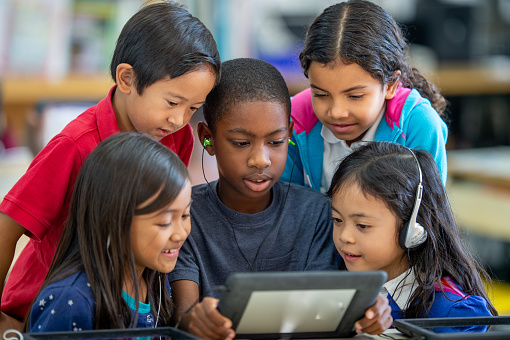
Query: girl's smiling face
[157, 237]
[365, 232]
[347, 99]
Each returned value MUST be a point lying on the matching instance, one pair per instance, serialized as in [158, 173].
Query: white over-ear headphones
[412, 233]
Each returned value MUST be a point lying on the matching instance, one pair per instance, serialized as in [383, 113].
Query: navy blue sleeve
[469, 307]
[187, 267]
[168, 288]
[61, 309]
[322, 255]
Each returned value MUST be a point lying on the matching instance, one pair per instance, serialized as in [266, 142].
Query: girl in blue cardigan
[361, 89]
[391, 213]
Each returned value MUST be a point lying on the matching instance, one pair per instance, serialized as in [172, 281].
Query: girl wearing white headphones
[391, 213]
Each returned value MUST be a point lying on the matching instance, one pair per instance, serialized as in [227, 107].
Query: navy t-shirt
[301, 240]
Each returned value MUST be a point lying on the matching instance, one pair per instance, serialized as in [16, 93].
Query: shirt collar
[401, 288]
[106, 119]
[370, 134]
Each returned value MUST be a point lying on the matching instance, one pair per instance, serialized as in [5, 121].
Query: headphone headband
[412, 233]
[418, 165]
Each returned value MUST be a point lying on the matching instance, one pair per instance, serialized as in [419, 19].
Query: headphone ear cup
[413, 234]
[402, 236]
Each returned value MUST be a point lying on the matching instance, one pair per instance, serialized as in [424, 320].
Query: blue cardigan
[453, 303]
[409, 120]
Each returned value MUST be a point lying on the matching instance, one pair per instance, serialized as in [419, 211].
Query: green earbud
[207, 142]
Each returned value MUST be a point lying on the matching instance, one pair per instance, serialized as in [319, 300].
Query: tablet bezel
[239, 287]
[418, 327]
[99, 334]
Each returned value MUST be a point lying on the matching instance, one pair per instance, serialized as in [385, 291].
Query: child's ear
[125, 78]
[291, 128]
[391, 88]
[204, 133]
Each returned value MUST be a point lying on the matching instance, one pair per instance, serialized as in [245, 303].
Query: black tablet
[283, 305]
[433, 328]
[160, 333]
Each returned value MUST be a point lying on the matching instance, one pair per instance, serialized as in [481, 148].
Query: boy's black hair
[245, 80]
[164, 40]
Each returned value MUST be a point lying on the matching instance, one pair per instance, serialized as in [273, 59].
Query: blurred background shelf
[28, 91]
[21, 95]
[473, 78]
[479, 190]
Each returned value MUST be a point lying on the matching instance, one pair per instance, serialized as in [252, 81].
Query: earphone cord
[230, 223]
[235, 237]
[18, 335]
[398, 284]
[159, 307]
[277, 224]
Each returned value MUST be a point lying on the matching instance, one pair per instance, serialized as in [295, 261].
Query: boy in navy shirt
[248, 221]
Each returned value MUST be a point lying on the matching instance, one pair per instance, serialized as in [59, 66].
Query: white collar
[401, 288]
[370, 134]
[330, 138]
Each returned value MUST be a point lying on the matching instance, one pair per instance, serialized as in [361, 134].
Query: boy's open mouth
[257, 182]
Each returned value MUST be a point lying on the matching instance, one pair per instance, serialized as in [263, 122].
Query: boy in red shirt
[163, 72]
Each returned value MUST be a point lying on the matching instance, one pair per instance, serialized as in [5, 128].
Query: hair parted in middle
[361, 32]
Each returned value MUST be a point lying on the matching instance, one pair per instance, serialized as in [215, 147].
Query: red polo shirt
[40, 200]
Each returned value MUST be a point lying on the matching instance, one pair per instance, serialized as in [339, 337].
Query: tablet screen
[295, 311]
[306, 305]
